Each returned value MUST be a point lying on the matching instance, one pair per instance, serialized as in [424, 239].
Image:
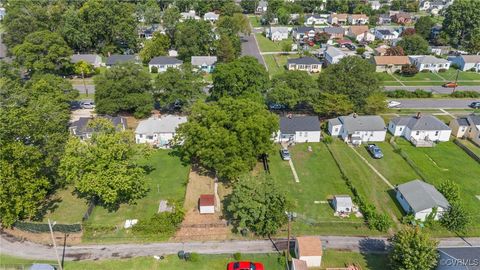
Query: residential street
[434, 89]
[434, 103]
[30, 250]
[81, 88]
[250, 47]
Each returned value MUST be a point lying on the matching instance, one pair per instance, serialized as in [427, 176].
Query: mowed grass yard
[68, 209]
[166, 181]
[447, 161]
[276, 63]
[465, 78]
[266, 45]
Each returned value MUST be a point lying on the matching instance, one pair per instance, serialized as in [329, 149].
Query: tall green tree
[456, 218]
[292, 88]
[171, 17]
[282, 94]
[353, 77]
[450, 190]
[461, 19]
[103, 168]
[151, 12]
[249, 6]
[244, 77]
[227, 136]
[332, 104]
[83, 69]
[230, 8]
[412, 250]
[182, 86]
[423, 26]
[75, 32]
[414, 45]
[225, 50]
[376, 103]
[156, 46]
[194, 38]
[124, 87]
[473, 43]
[43, 51]
[258, 204]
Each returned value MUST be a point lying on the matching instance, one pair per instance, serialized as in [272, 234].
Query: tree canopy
[292, 88]
[414, 45]
[227, 136]
[194, 38]
[156, 46]
[423, 26]
[461, 19]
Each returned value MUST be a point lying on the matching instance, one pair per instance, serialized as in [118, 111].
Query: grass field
[420, 76]
[450, 75]
[266, 45]
[277, 62]
[166, 181]
[447, 161]
[335, 259]
[69, 209]
[431, 79]
[255, 21]
[475, 149]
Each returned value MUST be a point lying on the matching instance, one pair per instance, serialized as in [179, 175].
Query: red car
[450, 85]
[245, 266]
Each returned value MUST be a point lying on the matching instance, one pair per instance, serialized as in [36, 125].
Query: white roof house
[419, 198]
[429, 62]
[93, 59]
[205, 63]
[333, 55]
[190, 15]
[211, 17]
[467, 62]
[356, 129]
[158, 131]
[277, 33]
[162, 63]
[421, 130]
[342, 203]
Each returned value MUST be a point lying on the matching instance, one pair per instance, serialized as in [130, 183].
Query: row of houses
[191, 15]
[431, 63]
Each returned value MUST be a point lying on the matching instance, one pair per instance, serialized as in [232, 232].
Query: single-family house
[93, 59]
[402, 18]
[421, 130]
[385, 34]
[2, 13]
[390, 64]
[277, 33]
[261, 7]
[205, 63]
[301, 32]
[420, 199]
[360, 33]
[335, 18]
[211, 17]
[305, 63]
[206, 204]
[467, 127]
[299, 129]
[81, 129]
[467, 62]
[333, 55]
[357, 19]
[356, 129]
[384, 19]
[458, 258]
[434, 6]
[190, 15]
[162, 63]
[375, 5]
[429, 62]
[299, 264]
[309, 249]
[158, 131]
[342, 204]
[335, 32]
[116, 59]
[440, 50]
[316, 19]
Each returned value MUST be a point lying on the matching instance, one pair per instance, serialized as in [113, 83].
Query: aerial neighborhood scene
[240, 134]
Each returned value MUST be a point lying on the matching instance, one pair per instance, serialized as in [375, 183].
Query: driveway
[434, 89]
[434, 103]
[81, 88]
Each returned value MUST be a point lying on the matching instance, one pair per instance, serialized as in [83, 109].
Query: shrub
[419, 93]
[442, 70]
[193, 257]
[455, 66]
[162, 223]
[425, 71]
[465, 94]
[473, 69]
[409, 70]
[237, 256]
[327, 139]
[154, 69]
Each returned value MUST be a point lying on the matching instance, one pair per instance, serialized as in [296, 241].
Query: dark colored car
[245, 266]
[475, 105]
[375, 151]
[450, 85]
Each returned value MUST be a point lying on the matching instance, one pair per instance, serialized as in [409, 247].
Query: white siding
[207, 209]
[396, 130]
[334, 130]
[367, 136]
[441, 135]
[312, 261]
[299, 137]
[159, 139]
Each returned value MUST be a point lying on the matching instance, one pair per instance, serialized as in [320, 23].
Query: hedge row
[465, 94]
[408, 94]
[43, 227]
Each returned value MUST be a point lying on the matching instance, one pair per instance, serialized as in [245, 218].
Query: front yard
[465, 78]
[266, 45]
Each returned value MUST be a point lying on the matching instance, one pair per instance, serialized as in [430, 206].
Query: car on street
[285, 154]
[375, 151]
[450, 85]
[87, 104]
[475, 105]
[245, 266]
[393, 104]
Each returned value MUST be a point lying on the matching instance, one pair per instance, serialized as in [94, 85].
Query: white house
[306, 63]
[429, 62]
[299, 129]
[357, 19]
[302, 32]
[2, 13]
[467, 62]
[309, 249]
[261, 7]
[386, 34]
[356, 129]
[375, 5]
[421, 130]
[206, 204]
[316, 19]
[204, 63]
[162, 63]
[211, 17]
[277, 33]
[419, 198]
[342, 203]
[158, 131]
[333, 55]
[93, 59]
[190, 15]
[467, 127]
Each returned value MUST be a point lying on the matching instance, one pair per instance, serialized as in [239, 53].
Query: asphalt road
[250, 47]
[434, 89]
[435, 103]
[81, 88]
[29, 250]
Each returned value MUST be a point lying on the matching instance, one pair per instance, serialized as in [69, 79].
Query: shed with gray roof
[298, 129]
[419, 198]
[205, 63]
[356, 129]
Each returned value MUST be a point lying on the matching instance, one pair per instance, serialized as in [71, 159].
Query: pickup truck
[375, 151]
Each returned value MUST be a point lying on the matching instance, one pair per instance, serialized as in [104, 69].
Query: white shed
[206, 204]
[342, 203]
[309, 249]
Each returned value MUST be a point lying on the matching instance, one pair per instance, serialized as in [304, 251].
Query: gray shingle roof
[299, 123]
[362, 123]
[425, 122]
[471, 58]
[164, 124]
[334, 30]
[304, 29]
[462, 121]
[203, 60]
[303, 61]
[80, 127]
[428, 59]
[333, 51]
[281, 29]
[165, 60]
[89, 58]
[474, 118]
[385, 32]
[119, 58]
[421, 196]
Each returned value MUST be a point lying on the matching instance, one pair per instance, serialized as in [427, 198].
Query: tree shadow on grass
[50, 205]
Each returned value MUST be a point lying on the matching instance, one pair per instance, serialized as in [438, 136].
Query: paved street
[81, 88]
[434, 89]
[435, 103]
[250, 47]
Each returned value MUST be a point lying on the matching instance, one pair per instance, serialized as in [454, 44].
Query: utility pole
[456, 79]
[54, 244]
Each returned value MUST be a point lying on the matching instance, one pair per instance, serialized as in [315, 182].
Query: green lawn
[447, 161]
[69, 209]
[474, 148]
[266, 45]
[451, 74]
[420, 76]
[384, 76]
[334, 259]
[391, 83]
[255, 21]
[277, 62]
[166, 181]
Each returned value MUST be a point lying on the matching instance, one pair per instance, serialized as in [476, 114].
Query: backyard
[276, 63]
[266, 45]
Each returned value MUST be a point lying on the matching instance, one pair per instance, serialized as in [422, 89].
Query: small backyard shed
[206, 204]
[342, 203]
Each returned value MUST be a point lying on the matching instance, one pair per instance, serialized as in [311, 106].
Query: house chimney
[354, 115]
[419, 114]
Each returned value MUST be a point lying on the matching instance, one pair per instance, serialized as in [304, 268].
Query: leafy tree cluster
[33, 131]
[291, 89]
[405, 5]
[456, 218]
[258, 204]
[228, 47]
[424, 25]
[227, 136]
[165, 223]
[157, 46]
[462, 24]
[414, 45]
[194, 38]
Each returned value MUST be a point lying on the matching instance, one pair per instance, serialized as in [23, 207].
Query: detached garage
[206, 204]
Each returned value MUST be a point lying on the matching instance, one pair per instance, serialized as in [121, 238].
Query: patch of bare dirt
[45, 238]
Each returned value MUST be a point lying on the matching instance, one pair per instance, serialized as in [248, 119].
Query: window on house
[436, 133]
[417, 133]
[336, 129]
[400, 129]
[140, 135]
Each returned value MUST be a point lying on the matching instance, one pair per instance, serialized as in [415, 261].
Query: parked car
[87, 104]
[276, 106]
[450, 85]
[475, 105]
[393, 104]
[375, 151]
[245, 266]
[285, 154]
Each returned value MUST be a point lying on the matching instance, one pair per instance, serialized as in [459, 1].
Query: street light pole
[54, 244]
